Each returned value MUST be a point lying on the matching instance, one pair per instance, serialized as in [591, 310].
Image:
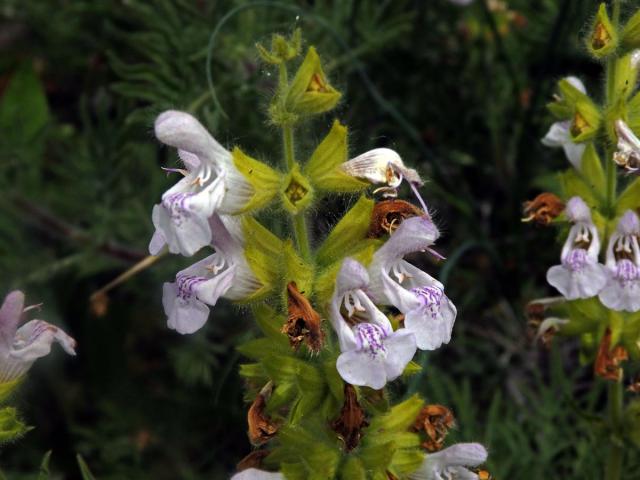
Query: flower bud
[282, 49]
[296, 191]
[603, 40]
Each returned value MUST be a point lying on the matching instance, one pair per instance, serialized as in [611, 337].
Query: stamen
[419, 197]
[181, 171]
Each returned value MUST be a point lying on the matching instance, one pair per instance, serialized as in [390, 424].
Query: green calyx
[296, 191]
[630, 37]
[282, 49]
[310, 92]
[323, 168]
[603, 39]
[8, 388]
[11, 427]
[263, 253]
[585, 122]
[264, 180]
[565, 104]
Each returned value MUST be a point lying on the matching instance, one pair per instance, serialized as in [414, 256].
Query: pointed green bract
[586, 121]
[310, 92]
[629, 199]
[630, 37]
[603, 39]
[8, 388]
[323, 168]
[11, 427]
[264, 180]
[592, 171]
[568, 98]
[282, 49]
[269, 322]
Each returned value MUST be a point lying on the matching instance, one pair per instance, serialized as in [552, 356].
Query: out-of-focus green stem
[610, 169]
[616, 453]
[288, 145]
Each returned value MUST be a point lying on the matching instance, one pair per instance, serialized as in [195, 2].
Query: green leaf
[270, 322]
[44, 473]
[592, 171]
[353, 469]
[263, 252]
[84, 469]
[23, 107]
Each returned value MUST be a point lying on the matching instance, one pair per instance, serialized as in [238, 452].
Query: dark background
[459, 92]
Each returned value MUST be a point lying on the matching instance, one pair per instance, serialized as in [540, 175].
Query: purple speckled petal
[10, 315]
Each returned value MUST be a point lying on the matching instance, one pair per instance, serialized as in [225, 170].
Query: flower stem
[616, 453]
[610, 168]
[299, 221]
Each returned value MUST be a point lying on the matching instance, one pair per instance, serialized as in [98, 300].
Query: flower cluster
[315, 409]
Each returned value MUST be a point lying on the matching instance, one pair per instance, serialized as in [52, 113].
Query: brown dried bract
[253, 460]
[261, 427]
[608, 360]
[543, 209]
[303, 323]
[351, 421]
[387, 216]
[435, 421]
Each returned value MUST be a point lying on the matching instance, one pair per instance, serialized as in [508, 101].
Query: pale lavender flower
[211, 183]
[223, 274]
[559, 134]
[372, 353]
[579, 275]
[451, 463]
[20, 347]
[255, 474]
[428, 312]
[622, 292]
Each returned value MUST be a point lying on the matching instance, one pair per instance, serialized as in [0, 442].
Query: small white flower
[622, 292]
[580, 275]
[20, 347]
[559, 134]
[428, 312]
[211, 183]
[223, 274]
[382, 166]
[451, 463]
[255, 474]
[372, 353]
[628, 153]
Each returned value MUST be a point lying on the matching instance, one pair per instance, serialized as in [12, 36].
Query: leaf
[84, 469]
[593, 173]
[629, 199]
[44, 467]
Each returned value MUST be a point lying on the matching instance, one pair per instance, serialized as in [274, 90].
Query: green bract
[264, 180]
[603, 39]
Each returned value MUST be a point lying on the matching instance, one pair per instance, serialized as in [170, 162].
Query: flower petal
[10, 315]
[557, 135]
[621, 296]
[184, 315]
[401, 347]
[33, 340]
[352, 276]
[360, 368]
[573, 284]
[255, 474]
[432, 327]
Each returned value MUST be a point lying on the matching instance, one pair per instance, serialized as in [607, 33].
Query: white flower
[559, 134]
[372, 353]
[223, 274]
[428, 312]
[628, 153]
[211, 183]
[382, 166]
[622, 292]
[255, 474]
[20, 347]
[580, 275]
[450, 463]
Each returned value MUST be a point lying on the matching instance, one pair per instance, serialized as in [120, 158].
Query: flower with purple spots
[372, 353]
[223, 274]
[559, 134]
[451, 463]
[211, 184]
[20, 347]
[622, 292]
[428, 312]
[579, 275]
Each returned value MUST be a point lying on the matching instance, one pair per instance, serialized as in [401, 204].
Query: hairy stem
[616, 453]
[610, 168]
[288, 146]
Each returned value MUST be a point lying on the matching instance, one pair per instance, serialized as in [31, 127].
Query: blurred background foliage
[459, 92]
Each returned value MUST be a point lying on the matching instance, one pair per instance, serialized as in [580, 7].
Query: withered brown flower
[608, 360]
[436, 421]
[387, 216]
[261, 427]
[543, 209]
[535, 312]
[351, 421]
[303, 323]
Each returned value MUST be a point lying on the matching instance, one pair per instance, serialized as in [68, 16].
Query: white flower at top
[628, 152]
[20, 347]
[372, 353]
[255, 474]
[223, 274]
[579, 275]
[428, 312]
[451, 463]
[559, 135]
[211, 183]
[382, 166]
[622, 291]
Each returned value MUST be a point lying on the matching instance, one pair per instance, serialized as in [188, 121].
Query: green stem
[288, 145]
[610, 168]
[616, 453]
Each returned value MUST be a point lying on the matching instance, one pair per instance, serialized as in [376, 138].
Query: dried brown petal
[387, 216]
[99, 304]
[543, 209]
[351, 421]
[253, 460]
[536, 315]
[303, 323]
[261, 427]
[608, 360]
[436, 421]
